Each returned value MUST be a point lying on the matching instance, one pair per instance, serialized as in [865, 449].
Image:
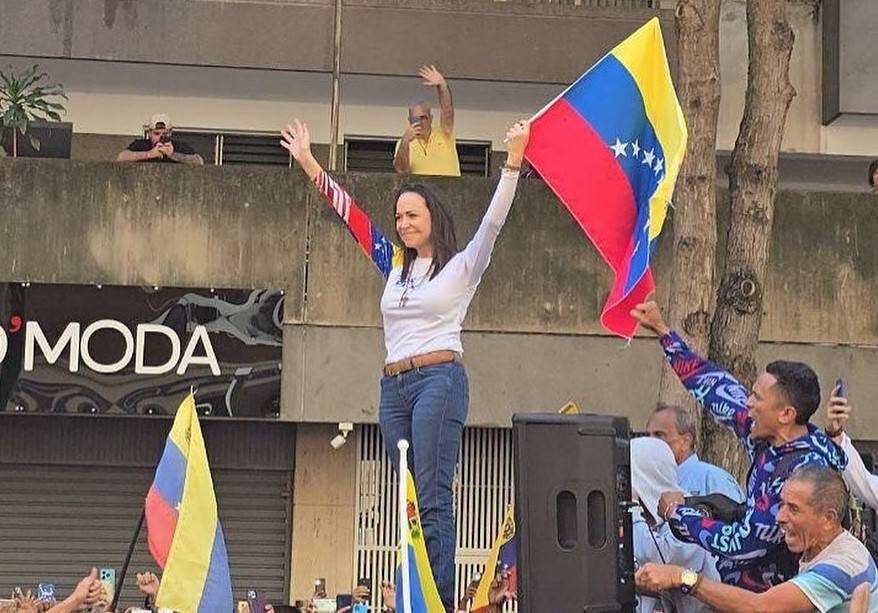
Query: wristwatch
[689, 580]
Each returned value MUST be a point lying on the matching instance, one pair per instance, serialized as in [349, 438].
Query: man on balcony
[160, 146]
[423, 150]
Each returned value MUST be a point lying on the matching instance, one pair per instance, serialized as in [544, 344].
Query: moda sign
[133, 350]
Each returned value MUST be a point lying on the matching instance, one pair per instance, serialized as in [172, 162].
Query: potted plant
[30, 107]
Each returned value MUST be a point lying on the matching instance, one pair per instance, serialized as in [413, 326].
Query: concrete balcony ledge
[532, 336]
[157, 224]
[544, 42]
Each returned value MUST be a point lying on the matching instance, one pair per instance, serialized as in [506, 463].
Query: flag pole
[403, 446]
[117, 589]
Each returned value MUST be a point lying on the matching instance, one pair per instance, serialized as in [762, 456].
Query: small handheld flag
[416, 590]
[183, 529]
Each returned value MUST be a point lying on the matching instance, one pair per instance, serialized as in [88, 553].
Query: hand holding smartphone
[256, 601]
[839, 390]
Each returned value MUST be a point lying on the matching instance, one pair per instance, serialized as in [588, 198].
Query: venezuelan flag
[383, 253]
[610, 147]
[183, 530]
[503, 557]
[424, 594]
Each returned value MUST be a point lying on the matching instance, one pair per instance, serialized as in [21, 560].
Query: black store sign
[136, 350]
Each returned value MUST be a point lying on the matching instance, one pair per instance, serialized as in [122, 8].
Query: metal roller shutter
[57, 519]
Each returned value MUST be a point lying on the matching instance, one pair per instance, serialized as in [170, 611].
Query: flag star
[659, 164]
[620, 148]
[635, 148]
[648, 157]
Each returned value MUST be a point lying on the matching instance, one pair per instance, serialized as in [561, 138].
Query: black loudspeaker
[572, 491]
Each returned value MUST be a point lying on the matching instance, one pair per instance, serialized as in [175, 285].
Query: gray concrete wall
[532, 337]
[153, 224]
[479, 39]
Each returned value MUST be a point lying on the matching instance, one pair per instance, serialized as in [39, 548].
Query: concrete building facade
[532, 337]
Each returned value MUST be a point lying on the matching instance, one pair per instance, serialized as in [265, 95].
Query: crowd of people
[90, 595]
[785, 547]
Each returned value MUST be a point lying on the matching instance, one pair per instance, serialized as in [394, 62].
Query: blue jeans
[428, 406]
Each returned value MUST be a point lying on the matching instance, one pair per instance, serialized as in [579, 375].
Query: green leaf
[34, 142]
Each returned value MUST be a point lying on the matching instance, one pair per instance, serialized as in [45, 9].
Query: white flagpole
[403, 446]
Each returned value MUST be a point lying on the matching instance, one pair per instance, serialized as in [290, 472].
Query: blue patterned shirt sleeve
[715, 389]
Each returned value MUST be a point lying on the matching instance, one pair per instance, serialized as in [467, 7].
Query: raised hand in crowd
[499, 592]
[296, 138]
[361, 594]
[516, 140]
[431, 76]
[468, 594]
[837, 413]
[103, 601]
[388, 595]
[650, 317]
[84, 595]
[148, 583]
[28, 603]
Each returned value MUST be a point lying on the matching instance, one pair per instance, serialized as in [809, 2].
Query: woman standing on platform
[430, 284]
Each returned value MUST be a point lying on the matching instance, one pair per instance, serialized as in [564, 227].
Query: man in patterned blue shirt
[772, 421]
[833, 563]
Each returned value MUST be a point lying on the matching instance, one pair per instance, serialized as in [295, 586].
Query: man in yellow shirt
[423, 150]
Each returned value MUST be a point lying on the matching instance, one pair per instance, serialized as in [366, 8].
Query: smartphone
[320, 587]
[46, 592]
[108, 579]
[840, 390]
[256, 601]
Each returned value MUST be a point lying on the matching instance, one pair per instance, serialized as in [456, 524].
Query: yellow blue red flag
[183, 529]
[610, 147]
[424, 594]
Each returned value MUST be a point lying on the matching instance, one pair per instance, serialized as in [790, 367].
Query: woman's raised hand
[296, 139]
[516, 142]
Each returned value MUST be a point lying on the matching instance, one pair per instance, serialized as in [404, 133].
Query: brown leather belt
[419, 361]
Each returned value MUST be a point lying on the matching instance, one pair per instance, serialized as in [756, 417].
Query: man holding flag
[184, 533]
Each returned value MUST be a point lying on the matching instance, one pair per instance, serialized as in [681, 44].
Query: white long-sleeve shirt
[862, 484]
[424, 315]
